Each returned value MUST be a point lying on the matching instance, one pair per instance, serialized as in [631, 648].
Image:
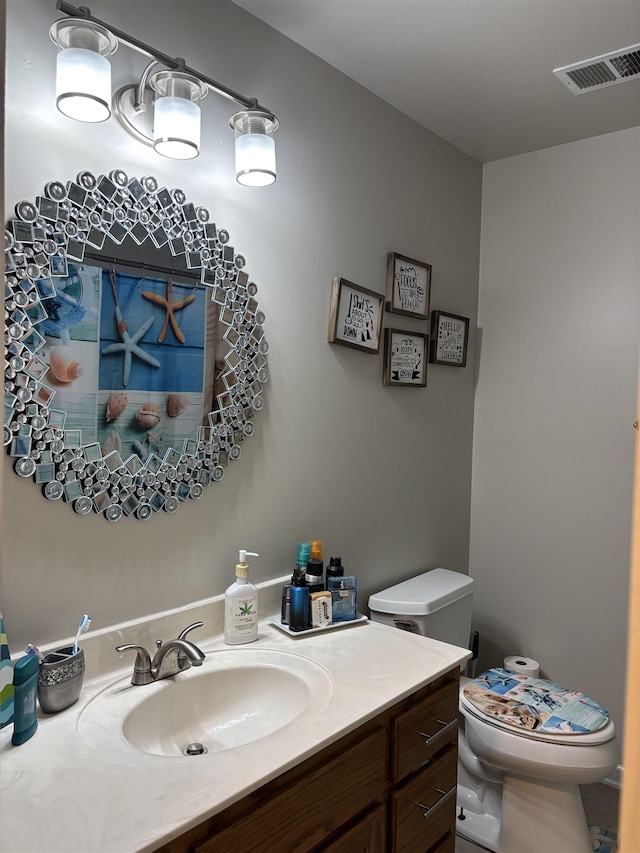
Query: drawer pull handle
[447, 729]
[429, 810]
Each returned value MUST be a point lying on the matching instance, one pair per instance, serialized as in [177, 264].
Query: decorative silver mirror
[135, 354]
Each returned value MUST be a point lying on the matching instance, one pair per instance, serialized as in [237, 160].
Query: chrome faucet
[171, 657]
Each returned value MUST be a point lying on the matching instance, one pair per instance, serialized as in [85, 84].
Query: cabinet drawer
[421, 731]
[367, 836]
[424, 810]
[298, 818]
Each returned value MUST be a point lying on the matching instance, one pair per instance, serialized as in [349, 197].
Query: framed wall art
[449, 338]
[405, 358]
[355, 317]
[408, 286]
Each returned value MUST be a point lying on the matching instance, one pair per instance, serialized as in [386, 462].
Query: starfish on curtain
[170, 307]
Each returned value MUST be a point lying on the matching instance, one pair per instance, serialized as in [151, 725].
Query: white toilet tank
[435, 604]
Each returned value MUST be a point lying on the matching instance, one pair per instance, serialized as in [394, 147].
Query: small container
[25, 721]
[299, 610]
[60, 679]
[320, 609]
[241, 605]
[303, 555]
[344, 598]
[286, 603]
[314, 575]
[335, 569]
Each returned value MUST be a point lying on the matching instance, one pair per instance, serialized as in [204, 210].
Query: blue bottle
[25, 685]
[299, 606]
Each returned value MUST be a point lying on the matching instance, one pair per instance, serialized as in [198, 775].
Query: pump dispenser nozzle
[242, 555]
[242, 569]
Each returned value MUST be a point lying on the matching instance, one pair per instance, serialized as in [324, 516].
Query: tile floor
[600, 806]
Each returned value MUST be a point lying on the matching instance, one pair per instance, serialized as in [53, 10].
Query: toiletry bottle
[303, 555]
[335, 569]
[286, 603]
[25, 684]
[344, 598]
[299, 610]
[314, 575]
[315, 567]
[316, 550]
[241, 606]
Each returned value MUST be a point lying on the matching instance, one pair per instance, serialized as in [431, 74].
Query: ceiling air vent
[601, 71]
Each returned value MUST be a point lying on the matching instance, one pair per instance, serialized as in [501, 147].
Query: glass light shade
[176, 128]
[83, 78]
[83, 85]
[176, 114]
[255, 148]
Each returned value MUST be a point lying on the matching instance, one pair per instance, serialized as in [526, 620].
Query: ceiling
[476, 72]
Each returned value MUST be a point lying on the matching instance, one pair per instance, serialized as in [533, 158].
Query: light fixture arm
[170, 62]
[139, 104]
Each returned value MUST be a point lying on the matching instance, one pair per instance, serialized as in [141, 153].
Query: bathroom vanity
[364, 759]
[387, 787]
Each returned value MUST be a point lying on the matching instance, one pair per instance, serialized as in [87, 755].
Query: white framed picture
[355, 317]
[449, 338]
[408, 286]
[405, 358]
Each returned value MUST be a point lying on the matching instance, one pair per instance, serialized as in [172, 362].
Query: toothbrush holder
[60, 679]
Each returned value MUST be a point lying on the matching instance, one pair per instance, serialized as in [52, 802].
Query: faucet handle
[142, 666]
[183, 660]
[182, 635]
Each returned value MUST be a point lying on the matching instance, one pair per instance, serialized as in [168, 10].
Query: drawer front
[423, 730]
[300, 817]
[424, 810]
[447, 844]
[367, 836]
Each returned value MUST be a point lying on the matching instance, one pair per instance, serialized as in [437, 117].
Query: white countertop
[65, 791]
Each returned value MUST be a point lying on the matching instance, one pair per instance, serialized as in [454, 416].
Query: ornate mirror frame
[65, 226]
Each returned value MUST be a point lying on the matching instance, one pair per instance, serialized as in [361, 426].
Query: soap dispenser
[241, 606]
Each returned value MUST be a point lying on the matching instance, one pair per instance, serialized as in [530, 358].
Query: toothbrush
[83, 627]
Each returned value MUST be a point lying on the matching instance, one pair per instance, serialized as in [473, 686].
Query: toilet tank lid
[423, 594]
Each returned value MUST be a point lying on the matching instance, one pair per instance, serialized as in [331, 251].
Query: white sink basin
[235, 698]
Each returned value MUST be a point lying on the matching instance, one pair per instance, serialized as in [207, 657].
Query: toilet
[525, 744]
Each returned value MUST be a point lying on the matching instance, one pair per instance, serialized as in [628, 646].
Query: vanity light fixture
[83, 73]
[255, 147]
[162, 110]
[176, 114]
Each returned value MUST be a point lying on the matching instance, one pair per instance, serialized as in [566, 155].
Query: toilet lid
[532, 706]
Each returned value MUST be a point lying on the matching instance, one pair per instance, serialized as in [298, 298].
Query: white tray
[275, 620]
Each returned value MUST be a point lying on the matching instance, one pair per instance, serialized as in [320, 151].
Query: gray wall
[381, 475]
[555, 404]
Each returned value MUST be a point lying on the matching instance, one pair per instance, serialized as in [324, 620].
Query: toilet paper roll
[526, 666]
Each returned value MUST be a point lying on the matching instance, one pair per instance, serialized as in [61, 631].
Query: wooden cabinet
[388, 787]
[423, 810]
[369, 835]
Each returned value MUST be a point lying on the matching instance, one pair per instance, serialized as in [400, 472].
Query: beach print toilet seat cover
[534, 704]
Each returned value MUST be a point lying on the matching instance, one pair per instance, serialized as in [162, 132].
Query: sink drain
[194, 749]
